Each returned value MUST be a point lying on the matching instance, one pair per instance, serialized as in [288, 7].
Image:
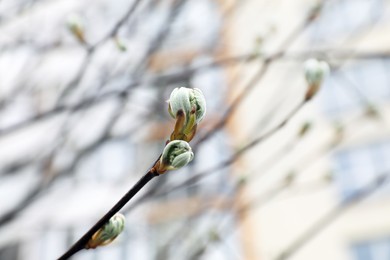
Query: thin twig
[91, 50]
[161, 36]
[119, 24]
[81, 243]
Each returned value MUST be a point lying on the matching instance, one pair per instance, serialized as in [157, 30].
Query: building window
[372, 250]
[356, 168]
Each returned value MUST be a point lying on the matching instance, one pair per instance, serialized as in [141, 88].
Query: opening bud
[108, 232]
[176, 154]
[188, 107]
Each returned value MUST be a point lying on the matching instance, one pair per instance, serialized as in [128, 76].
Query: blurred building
[84, 115]
[304, 186]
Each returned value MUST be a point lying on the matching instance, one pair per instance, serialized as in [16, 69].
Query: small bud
[120, 44]
[108, 232]
[188, 107]
[315, 11]
[76, 26]
[328, 177]
[258, 47]
[305, 128]
[242, 180]
[214, 236]
[176, 154]
[290, 177]
[315, 73]
[371, 111]
[339, 133]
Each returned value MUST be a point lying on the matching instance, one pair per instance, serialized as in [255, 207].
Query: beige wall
[271, 228]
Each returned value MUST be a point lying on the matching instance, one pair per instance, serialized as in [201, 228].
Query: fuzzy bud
[187, 100]
[176, 154]
[108, 232]
[188, 107]
[315, 73]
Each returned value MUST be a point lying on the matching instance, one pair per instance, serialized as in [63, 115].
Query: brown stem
[80, 244]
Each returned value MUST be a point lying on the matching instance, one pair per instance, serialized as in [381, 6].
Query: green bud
[305, 128]
[108, 232]
[315, 73]
[371, 111]
[290, 177]
[176, 154]
[242, 180]
[339, 133]
[328, 177]
[187, 100]
[120, 44]
[188, 107]
[75, 24]
[214, 236]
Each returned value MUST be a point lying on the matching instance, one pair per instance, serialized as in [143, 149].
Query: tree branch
[197, 177]
[81, 243]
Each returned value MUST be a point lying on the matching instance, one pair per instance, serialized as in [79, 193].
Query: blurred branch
[22, 7]
[284, 183]
[29, 198]
[86, 102]
[169, 79]
[156, 43]
[79, 157]
[66, 109]
[197, 177]
[333, 215]
[76, 80]
[161, 36]
[337, 54]
[252, 83]
[91, 50]
[322, 223]
[114, 31]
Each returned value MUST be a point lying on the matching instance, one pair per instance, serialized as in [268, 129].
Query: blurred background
[83, 114]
